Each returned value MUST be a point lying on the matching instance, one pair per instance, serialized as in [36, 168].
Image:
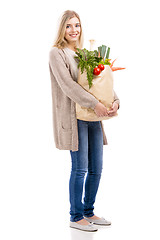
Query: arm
[116, 99]
[115, 106]
[70, 88]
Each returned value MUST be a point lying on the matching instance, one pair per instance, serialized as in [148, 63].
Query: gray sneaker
[101, 221]
[88, 228]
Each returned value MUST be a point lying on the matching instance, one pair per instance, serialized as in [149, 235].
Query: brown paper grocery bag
[102, 89]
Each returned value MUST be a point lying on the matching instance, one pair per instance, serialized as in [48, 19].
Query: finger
[111, 111]
[111, 115]
[104, 115]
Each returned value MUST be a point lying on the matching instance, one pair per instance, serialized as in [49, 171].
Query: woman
[84, 139]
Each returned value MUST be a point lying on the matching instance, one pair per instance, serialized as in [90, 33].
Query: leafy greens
[88, 60]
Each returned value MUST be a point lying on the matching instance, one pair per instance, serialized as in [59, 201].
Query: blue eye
[77, 25]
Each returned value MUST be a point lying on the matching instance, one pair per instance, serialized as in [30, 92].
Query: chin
[73, 41]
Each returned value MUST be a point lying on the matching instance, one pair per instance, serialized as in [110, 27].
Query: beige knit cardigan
[66, 92]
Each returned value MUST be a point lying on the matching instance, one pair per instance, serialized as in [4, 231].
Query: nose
[73, 28]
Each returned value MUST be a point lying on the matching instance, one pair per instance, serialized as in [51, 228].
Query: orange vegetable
[115, 68]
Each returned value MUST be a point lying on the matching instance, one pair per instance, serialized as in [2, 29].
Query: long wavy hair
[60, 41]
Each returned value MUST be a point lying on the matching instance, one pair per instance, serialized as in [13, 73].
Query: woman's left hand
[113, 110]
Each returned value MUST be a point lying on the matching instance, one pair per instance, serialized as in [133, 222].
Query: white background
[34, 175]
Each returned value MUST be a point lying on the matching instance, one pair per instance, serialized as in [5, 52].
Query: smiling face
[73, 30]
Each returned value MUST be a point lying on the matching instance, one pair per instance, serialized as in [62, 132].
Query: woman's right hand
[100, 110]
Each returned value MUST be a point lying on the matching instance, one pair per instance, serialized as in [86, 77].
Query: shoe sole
[95, 230]
[102, 224]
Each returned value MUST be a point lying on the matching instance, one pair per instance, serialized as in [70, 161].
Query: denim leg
[95, 162]
[79, 168]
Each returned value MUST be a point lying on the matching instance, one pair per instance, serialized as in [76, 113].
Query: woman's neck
[72, 47]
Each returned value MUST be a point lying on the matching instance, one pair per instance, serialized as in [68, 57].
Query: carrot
[115, 68]
[113, 62]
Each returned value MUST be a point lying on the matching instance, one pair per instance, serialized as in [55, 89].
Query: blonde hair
[60, 41]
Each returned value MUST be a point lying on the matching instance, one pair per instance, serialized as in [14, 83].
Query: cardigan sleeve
[70, 87]
[116, 99]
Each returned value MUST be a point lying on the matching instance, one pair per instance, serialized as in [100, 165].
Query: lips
[73, 35]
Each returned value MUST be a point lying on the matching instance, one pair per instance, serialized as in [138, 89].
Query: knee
[80, 172]
[97, 171]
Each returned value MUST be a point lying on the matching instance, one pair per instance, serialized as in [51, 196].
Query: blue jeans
[88, 159]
